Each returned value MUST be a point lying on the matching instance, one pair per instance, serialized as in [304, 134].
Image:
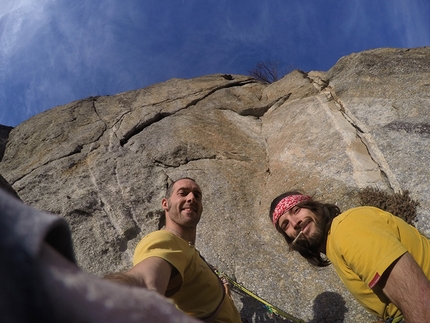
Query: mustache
[303, 225]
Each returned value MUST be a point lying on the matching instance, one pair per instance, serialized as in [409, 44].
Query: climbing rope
[271, 308]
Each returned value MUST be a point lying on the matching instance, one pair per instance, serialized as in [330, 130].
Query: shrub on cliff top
[399, 204]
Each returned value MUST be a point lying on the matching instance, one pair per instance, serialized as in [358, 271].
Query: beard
[317, 239]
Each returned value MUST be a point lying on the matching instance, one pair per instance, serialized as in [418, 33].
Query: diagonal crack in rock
[161, 115]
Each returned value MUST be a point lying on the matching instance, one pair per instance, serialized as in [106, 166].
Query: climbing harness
[271, 308]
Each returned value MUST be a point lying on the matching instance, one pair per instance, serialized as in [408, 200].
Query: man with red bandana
[167, 261]
[383, 261]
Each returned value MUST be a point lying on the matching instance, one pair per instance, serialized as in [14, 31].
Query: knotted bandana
[286, 204]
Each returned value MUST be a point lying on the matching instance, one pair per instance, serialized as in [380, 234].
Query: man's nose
[295, 223]
[191, 197]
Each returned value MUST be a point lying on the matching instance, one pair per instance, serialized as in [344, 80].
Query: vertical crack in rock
[94, 99]
[272, 105]
[368, 161]
[125, 212]
[117, 212]
[4, 138]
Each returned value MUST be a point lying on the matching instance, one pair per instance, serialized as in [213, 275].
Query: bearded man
[383, 261]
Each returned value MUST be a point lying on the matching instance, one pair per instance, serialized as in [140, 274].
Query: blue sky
[53, 52]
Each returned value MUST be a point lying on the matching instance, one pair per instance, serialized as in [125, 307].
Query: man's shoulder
[357, 216]
[158, 236]
[159, 233]
[362, 212]
[160, 244]
[363, 209]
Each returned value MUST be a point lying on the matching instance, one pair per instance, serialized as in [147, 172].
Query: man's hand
[405, 284]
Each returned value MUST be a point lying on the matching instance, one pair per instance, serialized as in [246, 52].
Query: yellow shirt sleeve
[164, 245]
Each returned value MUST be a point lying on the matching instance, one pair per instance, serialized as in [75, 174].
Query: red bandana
[286, 204]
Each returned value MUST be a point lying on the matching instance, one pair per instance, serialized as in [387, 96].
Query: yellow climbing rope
[271, 308]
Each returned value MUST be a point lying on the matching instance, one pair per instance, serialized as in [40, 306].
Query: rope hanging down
[271, 308]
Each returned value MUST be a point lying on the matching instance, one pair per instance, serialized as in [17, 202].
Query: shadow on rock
[254, 311]
[329, 307]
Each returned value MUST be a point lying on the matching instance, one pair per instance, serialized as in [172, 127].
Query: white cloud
[411, 18]
[20, 20]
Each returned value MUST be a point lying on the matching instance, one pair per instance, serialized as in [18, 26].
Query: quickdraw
[271, 308]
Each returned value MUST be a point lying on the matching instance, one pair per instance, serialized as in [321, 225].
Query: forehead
[186, 184]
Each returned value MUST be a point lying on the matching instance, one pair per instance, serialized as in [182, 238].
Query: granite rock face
[103, 163]
[4, 134]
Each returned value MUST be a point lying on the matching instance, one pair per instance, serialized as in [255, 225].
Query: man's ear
[165, 204]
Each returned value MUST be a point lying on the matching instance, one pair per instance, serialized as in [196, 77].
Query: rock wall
[103, 163]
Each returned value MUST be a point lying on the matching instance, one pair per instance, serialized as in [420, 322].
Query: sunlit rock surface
[103, 163]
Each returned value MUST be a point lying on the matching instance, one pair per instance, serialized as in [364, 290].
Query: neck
[190, 237]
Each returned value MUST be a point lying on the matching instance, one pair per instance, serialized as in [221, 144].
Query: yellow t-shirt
[196, 290]
[362, 243]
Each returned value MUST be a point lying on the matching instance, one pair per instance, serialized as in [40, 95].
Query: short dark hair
[169, 190]
[326, 212]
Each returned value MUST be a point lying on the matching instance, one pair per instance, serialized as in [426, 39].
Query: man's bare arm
[124, 278]
[152, 273]
[405, 284]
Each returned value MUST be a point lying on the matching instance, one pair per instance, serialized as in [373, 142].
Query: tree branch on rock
[266, 71]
